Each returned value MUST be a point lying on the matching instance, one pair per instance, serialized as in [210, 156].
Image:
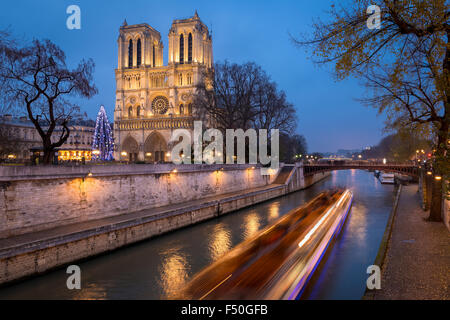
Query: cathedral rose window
[160, 105]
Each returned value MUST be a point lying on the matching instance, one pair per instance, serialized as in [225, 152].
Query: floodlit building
[18, 135]
[20, 141]
[153, 99]
[78, 146]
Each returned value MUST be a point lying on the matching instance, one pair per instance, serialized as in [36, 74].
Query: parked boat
[387, 178]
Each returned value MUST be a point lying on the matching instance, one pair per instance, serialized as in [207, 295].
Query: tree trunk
[436, 189]
[48, 156]
[436, 201]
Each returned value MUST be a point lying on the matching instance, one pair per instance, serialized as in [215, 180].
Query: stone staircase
[283, 175]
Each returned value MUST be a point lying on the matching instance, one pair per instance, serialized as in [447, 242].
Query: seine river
[159, 267]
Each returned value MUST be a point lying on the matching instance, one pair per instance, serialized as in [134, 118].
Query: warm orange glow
[68, 155]
[429, 173]
[438, 178]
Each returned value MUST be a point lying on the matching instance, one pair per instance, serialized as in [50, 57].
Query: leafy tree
[405, 63]
[36, 80]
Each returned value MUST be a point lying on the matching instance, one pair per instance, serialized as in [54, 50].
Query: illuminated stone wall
[38, 198]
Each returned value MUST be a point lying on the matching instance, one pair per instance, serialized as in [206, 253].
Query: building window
[190, 108]
[189, 79]
[138, 53]
[130, 54]
[190, 48]
[138, 111]
[130, 112]
[180, 79]
[181, 109]
[154, 58]
[181, 49]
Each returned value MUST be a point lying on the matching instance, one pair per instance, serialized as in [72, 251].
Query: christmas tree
[102, 144]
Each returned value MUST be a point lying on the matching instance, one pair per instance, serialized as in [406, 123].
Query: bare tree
[406, 61]
[37, 81]
[243, 97]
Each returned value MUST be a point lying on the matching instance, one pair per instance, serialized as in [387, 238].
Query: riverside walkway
[417, 261]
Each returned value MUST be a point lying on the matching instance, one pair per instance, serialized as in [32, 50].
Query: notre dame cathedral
[153, 99]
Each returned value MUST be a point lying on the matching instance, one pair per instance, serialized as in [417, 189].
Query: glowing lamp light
[168, 154]
[148, 154]
[96, 152]
[123, 154]
[429, 173]
[384, 161]
[90, 174]
[438, 178]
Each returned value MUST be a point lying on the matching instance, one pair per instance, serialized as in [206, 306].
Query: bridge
[406, 169]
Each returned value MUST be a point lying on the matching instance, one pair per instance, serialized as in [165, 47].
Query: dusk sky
[243, 30]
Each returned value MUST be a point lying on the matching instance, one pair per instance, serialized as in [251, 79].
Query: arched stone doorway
[155, 148]
[130, 149]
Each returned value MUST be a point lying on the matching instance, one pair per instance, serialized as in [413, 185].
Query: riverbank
[416, 264]
[36, 252]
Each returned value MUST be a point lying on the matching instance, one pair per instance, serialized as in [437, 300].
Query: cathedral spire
[124, 24]
[196, 15]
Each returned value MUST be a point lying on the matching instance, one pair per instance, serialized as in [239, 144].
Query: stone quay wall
[38, 198]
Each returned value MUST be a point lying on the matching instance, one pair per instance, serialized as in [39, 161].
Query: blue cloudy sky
[243, 30]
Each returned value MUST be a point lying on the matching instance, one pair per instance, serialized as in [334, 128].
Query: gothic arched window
[154, 58]
[181, 49]
[130, 112]
[138, 111]
[130, 54]
[181, 109]
[138, 53]
[190, 48]
[190, 108]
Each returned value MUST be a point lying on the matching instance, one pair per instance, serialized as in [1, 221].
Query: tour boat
[278, 261]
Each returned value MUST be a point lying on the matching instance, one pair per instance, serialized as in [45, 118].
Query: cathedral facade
[152, 99]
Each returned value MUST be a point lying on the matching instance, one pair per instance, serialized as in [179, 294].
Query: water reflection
[219, 241]
[357, 225]
[174, 272]
[274, 211]
[93, 291]
[251, 224]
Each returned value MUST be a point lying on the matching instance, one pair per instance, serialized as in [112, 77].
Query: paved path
[417, 262]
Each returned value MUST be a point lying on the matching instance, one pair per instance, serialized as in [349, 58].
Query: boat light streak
[311, 232]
